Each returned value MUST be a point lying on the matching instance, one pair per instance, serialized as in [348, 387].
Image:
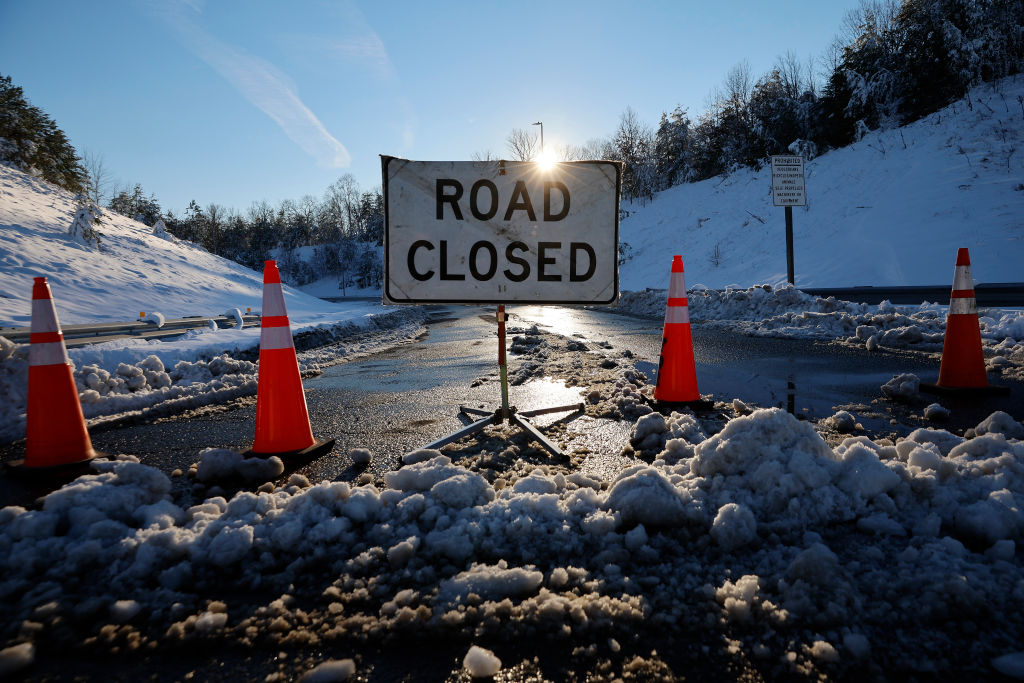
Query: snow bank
[800, 524]
[132, 378]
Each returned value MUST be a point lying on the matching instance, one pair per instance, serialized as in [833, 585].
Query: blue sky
[232, 101]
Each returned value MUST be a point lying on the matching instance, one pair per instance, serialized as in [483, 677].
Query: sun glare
[546, 161]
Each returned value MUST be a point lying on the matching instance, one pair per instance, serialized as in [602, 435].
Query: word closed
[500, 232]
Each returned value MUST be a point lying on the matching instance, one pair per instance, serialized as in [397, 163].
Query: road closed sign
[788, 181]
[501, 232]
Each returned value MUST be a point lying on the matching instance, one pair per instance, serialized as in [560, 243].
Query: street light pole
[541, 124]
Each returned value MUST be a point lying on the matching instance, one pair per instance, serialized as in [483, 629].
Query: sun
[546, 161]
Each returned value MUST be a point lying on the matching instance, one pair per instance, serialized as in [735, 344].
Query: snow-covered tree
[83, 225]
[134, 204]
[672, 149]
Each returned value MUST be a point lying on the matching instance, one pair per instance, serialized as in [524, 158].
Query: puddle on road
[396, 375]
[542, 393]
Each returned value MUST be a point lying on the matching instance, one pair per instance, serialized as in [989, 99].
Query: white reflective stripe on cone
[44, 316]
[677, 314]
[963, 306]
[962, 278]
[273, 300]
[276, 338]
[47, 353]
[677, 287]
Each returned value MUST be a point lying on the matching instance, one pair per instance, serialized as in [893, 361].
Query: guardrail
[94, 333]
[986, 294]
[993, 294]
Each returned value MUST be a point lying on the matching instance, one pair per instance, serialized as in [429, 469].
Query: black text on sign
[500, 232]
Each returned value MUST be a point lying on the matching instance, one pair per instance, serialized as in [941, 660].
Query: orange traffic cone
[677, 372]
[56, 438]
[282, 421]
[963, 362]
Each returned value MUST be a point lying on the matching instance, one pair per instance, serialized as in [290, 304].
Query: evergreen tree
[31, 141]
[135, 205]
[672, 161]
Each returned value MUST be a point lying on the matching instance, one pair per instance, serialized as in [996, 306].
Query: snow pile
[481, 663]
[331, 671]
[16, 658]
[753, 303]
[224, 465]
[936, 412]
[902, 387]
[784, 312]
[126, 379]
[819, 540]
[843, 422]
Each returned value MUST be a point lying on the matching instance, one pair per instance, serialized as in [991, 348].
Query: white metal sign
[788, 181]
[500, 231]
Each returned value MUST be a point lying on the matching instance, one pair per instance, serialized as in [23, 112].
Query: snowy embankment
[136, 269]
[890, 209]
[808, 559]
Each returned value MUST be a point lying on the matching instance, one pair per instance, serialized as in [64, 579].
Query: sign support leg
[502, 365]
[789, 244]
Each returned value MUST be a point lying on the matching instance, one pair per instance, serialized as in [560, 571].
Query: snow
[331, 671]
[481, 663]
[890, 209]
[16, 657]
[811, 547]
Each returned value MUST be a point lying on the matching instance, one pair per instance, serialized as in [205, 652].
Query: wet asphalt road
[404, 398]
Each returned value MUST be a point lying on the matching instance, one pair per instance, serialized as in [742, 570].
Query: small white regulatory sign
[788, 181]
[502, 232]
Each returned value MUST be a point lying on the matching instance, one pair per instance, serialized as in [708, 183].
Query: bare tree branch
[522, 144]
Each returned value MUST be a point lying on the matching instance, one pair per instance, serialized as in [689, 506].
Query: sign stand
[501, 232]
[788, 190]
[505, 413]
[789, 245]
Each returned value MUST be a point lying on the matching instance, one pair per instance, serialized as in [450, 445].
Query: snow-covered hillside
[891, 209]
[133, 270]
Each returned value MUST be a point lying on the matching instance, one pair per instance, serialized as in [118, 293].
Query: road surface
[399, 400]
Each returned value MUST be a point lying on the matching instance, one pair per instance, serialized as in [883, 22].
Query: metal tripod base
[514, 417]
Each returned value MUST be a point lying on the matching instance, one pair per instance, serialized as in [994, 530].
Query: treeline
[894, 62]
[336, 235]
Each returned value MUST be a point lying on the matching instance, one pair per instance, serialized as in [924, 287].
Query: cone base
[676, 380]
[988, 390]
[699, 404]
[963, 360]
[317, 449]
[67, 470]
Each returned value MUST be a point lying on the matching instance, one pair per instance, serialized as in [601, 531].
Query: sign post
[788, 190]
[498, 232]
